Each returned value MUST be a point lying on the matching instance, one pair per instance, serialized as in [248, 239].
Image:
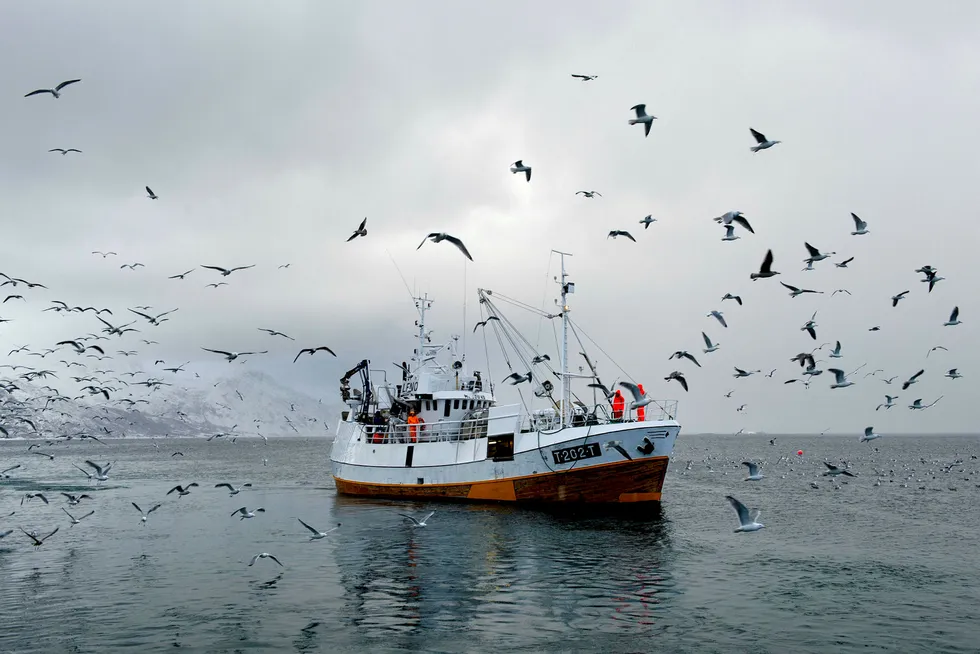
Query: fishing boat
[439, 433]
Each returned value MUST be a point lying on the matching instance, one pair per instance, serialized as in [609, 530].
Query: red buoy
[799, 452]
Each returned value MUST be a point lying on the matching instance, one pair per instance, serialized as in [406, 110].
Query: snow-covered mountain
[246, 404]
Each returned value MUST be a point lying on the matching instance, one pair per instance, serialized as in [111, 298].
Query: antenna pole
[566, 391]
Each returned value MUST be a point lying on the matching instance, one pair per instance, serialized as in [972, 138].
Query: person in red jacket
[618, 405]
[641, 413]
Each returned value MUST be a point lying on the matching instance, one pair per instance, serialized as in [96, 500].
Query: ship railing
[601, 414]
[473, 426]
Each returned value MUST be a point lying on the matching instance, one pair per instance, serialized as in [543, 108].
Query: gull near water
[748, 520]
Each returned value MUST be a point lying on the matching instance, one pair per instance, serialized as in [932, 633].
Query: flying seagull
[231, 356]
[317, 534]
[415, 521]
[74, 520]
[754, 474]
[860, 227]
[182, 275]
[39, 541]
[618, 232]
[312, 350]
[264, 555]
[815, 254]
[246, 513]
[841, 378]
[810, 326]
[519, 167]
[442, 236]
[647, 220]
[833, 471]
[709, 346]
[736, 217]
[747, 520]
[56, 92]
[730, 234]
[765, 270]
[101, 472]
[360, 231]
[272, 332]
[227, 271]
[585, 78]
[729, 296]
[618, 446]
[888, 403]
[843, 264]
[640, 399]
[794, 291]
[954, 318]
[835, 353]
[744, 373]
[911, 380]
[685, 355]
[679, 377]
[64, 151]
[150, 194]
[761, 140]
[898, 298]
[145, 515]
[717, 315]
[483, 323]
[642, 117]
[869, 435]
[182, 490]
[917, 404]
[589, 194]
[232, 489]
[952, 374]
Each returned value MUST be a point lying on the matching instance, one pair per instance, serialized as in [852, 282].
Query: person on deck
[618, 405]
[641, 413]
[379, 427]
[413, 421]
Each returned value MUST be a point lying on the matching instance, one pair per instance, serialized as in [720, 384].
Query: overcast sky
[269, 130]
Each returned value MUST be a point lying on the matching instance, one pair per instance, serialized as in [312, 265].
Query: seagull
[312, 350]
[519, 167]
[747, 520]
[619, 232]
[360, 231]
[932, 279]
[793, 291]
[227, 271]
[31, 496]
[589, 194]
[717, 315]
[39, 541]
[729, 296]
[737, 217]
[231, 356]
[834, 471]
[585, 78]
[709, 346]
[952, 374]
[677, 376]
[153, 320]
[869, 435]
[954, 318]
[763, 142]
[889, 402]
[74, 520]
[418, 523]
[860, 227]
[815, 254]
[840, 290]
[483, 323]
[911, 380]
[182, 275]
[843, 264]
[216, 285]
[842, 380]
[743, 373]
[765, 270]
[898, 298]
[642, 117]
[810, 326]
[442, 236]
[232, 489]
[73, 500]
[104, 254]
[56, 92]
[246, 513]
[730, 234]
[754, 474]
[835, 354]
[684, 354]
[317, 534]
[150, 194]
[273, 332]
[101, 473]
[64, 151]
[145, 515]
[264, 555]
[182, 490]
[618, 446]
[917, 404]
[647, 220]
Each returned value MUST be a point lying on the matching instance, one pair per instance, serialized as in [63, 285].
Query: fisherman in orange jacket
[641, 413]
[413, 420]
[618, 405]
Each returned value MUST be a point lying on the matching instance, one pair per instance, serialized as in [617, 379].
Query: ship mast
[566, 389]
[421, 303]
